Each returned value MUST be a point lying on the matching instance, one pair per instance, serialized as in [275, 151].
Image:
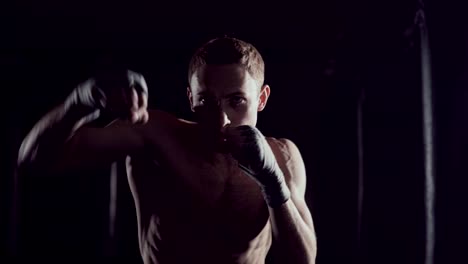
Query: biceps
[298, 198]
[304, 211]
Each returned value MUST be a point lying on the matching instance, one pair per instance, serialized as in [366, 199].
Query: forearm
[294, 237]
[53, 130]
[277, 166]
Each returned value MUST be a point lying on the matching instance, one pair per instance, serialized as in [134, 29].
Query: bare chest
[203, 203]
[217, 188]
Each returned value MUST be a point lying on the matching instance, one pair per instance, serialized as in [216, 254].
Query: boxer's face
[226, 95]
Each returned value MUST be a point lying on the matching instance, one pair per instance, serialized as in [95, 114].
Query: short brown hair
[228, 50]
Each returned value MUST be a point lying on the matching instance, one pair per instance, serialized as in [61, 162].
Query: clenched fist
[121, 93]
[251, 149]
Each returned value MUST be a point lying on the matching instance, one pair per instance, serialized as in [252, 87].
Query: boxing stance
[211, 191]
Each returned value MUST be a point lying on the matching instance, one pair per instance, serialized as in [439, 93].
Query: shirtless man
[214, 191]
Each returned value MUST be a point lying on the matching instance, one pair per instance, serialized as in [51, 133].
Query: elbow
[310, 253]
[312, 256]
[27, 153]
[306, 258]
[305, 254]
[32, 158]
[28, 162]
[309, 256]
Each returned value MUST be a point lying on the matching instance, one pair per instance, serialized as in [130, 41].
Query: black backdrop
[320, 58]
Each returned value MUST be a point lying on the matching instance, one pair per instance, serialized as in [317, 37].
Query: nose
[222, 118]
[215, 115]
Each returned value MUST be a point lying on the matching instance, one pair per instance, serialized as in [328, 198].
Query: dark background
[321, 57]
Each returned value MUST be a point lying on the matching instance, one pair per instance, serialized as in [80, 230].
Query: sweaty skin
[193, 203]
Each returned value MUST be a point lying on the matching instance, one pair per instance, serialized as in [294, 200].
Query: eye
[206, 101]
[237, 100]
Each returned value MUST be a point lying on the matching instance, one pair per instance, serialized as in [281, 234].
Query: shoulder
[156, 115]
[162, 120]
[165, 128]
[288, 156]
[284, 148]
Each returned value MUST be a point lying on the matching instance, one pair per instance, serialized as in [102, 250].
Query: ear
[189, 95]
[263, 97]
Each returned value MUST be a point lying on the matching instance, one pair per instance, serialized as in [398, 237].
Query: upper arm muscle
[91, 146]
[292, 165]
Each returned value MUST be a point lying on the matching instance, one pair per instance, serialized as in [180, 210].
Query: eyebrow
[228, 95]
[235, 93]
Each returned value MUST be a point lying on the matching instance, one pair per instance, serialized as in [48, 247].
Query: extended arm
[61, 140]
